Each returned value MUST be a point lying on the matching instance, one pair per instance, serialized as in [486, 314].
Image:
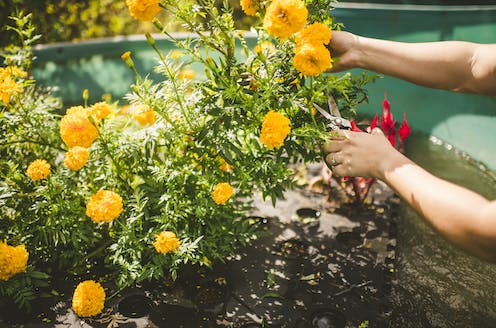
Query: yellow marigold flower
[124, 109]
[76, 129]
[76, 157]
[10, 71]
[166, 242]
[88, 299]
[186, 74]
[176, 54]
[39, 169]
[250, 7]
[104, 206]
[265, 46]
[77, 110]
[222, 192]
[316, 34]
[312, 60]
[107, 97]
[275, 128]
[18, 72]
[144, 115]
[101, 110]
[223, 166]
[8, 87]
[13, 260]
[285, 17]
[126, 55]
[144, 10]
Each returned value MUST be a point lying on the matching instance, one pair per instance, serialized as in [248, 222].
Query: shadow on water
[436, 284]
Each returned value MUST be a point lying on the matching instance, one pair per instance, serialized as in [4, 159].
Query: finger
[377, 131]
[332, 146]
[339, 170]
[339, 134]
[333, 159]
[335, 141]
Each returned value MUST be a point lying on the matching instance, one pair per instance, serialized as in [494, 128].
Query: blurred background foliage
[73, 20]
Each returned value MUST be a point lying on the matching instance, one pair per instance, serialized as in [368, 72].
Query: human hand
[343, 46]
[360, 154]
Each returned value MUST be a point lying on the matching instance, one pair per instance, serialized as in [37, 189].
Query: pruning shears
[336, 121]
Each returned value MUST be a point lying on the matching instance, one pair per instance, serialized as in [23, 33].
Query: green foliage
[207, 132]
[68, 20]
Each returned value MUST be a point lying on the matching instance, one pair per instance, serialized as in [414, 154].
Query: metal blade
[333, 107]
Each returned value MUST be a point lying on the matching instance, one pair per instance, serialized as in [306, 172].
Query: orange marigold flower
[76, 157]
[166, 242]
[250, 7]
[144, 10]
[104, 206]
[317, 34]
[13, 260]
[76, 129]
[144, 115]
[285, 17]
[101, 110]
[88, 299]
[222, 192]
[39, 169]
[312, 60]
[275, 128]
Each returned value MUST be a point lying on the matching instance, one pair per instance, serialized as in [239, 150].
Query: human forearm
[449, 65]
[460, 215]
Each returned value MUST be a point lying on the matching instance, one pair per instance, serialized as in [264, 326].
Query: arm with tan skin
[463, 217]
[450, 65]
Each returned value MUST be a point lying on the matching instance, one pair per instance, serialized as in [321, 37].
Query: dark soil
[316, 264]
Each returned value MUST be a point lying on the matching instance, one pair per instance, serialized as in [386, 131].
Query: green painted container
[467, 122]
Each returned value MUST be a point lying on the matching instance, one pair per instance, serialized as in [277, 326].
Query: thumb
[377, 131]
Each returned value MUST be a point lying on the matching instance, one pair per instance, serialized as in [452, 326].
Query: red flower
[387, 122]
[404, 130]
[354, 127]
[385, 104]
[392, 137]
[373, 125]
